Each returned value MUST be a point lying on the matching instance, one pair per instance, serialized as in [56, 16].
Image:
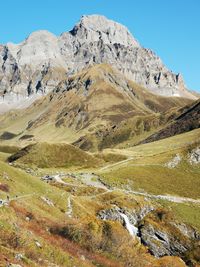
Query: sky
[171, 28]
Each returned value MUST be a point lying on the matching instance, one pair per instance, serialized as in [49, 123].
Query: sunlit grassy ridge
[44, 155]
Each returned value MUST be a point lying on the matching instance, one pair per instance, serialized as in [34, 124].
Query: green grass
[19, 240]
[180, 181]
[187, 213]
[45, 155]
[146, 170]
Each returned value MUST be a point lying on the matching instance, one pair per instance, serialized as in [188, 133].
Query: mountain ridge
[42, 60]
[95, 108]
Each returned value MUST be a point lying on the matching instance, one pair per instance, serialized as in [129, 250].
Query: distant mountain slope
[98, 103]
[187, 120]
[100, 95]
[40, 62]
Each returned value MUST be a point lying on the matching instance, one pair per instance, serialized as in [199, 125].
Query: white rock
[38, 244]
[174, 162]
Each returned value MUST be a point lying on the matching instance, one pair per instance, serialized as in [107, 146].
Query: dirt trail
[89, 179]
[115, 164]
[170, 198]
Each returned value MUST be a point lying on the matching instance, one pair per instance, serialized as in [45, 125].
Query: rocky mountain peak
[40, 35]
[42, 60]
[40, 47]
[97, 27]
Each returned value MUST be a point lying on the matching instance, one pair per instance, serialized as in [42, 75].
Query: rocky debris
[83, 258]
[19, 257]
[39, 63]
[92, 179]
[174, 162]
[47, 201]
[194, 156]
[5, 176]
[186, 230]
[37, 243]
[4, 202]
[28, 218]
[112, 214]
[48, 178]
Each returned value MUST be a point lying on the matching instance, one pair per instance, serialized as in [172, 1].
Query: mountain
[40, 62]
[187, 120]
[120, 202]
[95, 108]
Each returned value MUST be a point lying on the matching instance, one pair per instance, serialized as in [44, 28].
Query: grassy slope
[77, 113]
[21, 241]
[19, 235]
[45, 155]
[145, 172]
[185, 121]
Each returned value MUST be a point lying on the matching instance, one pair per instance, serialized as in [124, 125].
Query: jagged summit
[99, 27]
[42, 60]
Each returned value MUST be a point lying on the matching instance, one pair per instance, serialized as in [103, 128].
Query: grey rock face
[160, 243]
[40, 62]
[134, 216]
[174, 162]
[9, 71]
[194, 157]
[167, 238]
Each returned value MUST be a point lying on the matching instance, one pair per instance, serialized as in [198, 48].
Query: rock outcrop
[194, 156]
[40, 62]
[164, 236]
[156, 229]
[174, 162]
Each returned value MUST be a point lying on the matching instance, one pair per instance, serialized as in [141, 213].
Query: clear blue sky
[171, 28]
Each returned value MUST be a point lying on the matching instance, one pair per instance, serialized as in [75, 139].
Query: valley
[99, 153]
[68, 196]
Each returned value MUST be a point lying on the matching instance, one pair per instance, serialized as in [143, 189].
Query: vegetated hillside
[187, 120]
[44, 155]
[38, 230]
[98, 105]
[61, 221]
[148, 168]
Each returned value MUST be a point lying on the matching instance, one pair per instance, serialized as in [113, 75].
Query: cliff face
[40, 62]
